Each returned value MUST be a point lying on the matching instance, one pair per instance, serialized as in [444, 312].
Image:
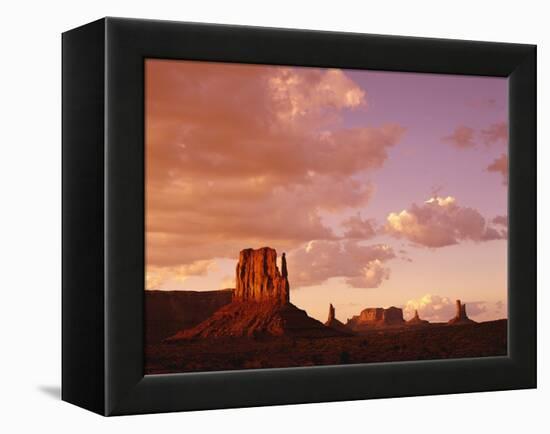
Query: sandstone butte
[332, 322]
[258, 278]
[377, 317]
[260, 305]
[460, 317]
[416, 320]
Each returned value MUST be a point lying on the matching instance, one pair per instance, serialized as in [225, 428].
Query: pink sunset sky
[382, 188]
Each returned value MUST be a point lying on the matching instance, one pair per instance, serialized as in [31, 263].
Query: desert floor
[436, 341]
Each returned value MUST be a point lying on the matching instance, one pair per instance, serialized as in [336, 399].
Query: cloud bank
[360, 266]
[157, 277]
[359, 228]
[441, 222]
[247, 155]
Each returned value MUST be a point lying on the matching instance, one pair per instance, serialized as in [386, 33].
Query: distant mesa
[260, 305]
[417, 321]
[377, 317]
[392, 317]
[333, 323]
[461, 317]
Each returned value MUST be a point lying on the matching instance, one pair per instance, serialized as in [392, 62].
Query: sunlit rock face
[259, 279]
[371, 314]
[260, 305]
[377, 317]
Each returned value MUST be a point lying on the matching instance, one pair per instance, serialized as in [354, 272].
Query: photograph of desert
[314, 216]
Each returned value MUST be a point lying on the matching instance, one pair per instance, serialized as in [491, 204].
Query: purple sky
[305, 156]
[431, 106]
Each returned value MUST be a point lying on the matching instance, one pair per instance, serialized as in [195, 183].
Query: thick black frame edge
[128, 43]
[83, 216]
[522, 216]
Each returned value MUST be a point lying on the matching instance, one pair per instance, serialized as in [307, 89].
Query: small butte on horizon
[283, 271]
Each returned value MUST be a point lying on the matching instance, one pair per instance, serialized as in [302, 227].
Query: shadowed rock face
[331, 313]
[167, 312]
[461, 317]
[258, 278]
[254, 319]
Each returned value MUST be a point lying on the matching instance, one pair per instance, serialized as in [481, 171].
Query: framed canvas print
[263, 216]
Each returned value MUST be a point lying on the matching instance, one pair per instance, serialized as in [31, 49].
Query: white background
[30, 217]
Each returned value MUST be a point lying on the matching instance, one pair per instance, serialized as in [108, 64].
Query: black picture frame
[103, 216]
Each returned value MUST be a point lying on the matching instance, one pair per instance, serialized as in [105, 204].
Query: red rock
[331, 313]
[333, 323]
[416, 321]
[258, 278]
[461, 317]
[256, 319]
[260, 305]
[167, 312]
[377, 317]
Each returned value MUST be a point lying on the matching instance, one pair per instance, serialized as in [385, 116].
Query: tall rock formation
[260, 305]
[416, 320]
[333, 323]
[460, 317]
[331, 313]
[259, 279]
